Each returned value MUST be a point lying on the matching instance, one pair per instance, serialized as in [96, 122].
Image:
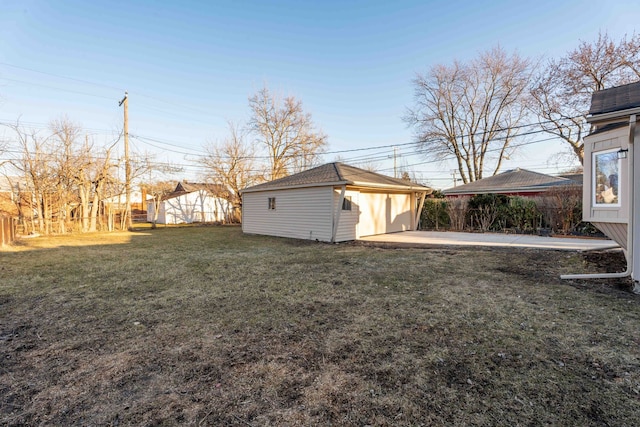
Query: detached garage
[332, 203]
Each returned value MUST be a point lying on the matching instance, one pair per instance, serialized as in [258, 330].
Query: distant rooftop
[512, 181]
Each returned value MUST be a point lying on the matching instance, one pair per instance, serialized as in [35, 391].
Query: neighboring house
[137, 198]
[516, 182]
[191, 202]
[332, 203]
[7, 197]
[611, 191]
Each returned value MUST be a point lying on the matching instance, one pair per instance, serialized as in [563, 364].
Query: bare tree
[232, 163]
[157, 190]
[82, 172]
[35, 166]
[66, 161]
[471, 111]
[562, 92]
[458, 208]
[286, 132]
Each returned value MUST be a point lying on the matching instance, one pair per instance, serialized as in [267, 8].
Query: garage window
[272, 203]
[346, 203]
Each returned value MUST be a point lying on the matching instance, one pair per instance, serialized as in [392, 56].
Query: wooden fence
[7, 230]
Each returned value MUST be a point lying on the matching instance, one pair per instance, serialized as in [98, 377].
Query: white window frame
[594, 181]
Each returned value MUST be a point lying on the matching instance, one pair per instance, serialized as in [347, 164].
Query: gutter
[630, 112]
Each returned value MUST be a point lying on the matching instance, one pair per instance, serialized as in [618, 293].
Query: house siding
[348, 219]
[196, 206]
[304, 213]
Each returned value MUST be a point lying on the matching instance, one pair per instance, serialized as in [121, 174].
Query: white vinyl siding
[309, 213]
[197, 206]
[348, 219]
[304, 213]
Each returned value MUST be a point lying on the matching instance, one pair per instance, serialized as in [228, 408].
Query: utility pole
[127, 164]
[395, 162]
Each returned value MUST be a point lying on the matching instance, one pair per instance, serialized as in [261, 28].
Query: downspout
[336, 216]
[417, 216]
[631, 220]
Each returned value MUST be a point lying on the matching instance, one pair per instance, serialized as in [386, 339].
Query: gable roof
[512, 181]
[337, 174]
[190, 187]
[615, 99]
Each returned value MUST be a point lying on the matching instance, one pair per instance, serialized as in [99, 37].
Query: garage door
[383, 213]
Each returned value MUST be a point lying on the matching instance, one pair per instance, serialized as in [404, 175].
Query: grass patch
[207, 326]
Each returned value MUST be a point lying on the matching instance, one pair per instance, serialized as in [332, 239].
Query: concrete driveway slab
[492, 239]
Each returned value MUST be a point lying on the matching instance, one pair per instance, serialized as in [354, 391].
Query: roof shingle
[615, 99]
[336, 174]
[512, 181]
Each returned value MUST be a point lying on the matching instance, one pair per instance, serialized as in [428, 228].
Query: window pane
[346, 203]
[606, 178]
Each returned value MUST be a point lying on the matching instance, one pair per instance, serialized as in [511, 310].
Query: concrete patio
[439, 238]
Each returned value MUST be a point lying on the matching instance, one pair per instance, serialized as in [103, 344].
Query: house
[611, 190]
[189, 203]
[137, 198]
[516, 182]
[334, 202]
[8, 195]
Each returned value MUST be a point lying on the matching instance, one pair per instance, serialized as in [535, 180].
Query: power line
[61, 76]
[55, 88]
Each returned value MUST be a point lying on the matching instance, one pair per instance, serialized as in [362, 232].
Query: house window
[606, 178]
[272, 203]
[346, 203]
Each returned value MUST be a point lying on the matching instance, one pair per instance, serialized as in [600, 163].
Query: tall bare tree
[471, 111]
[66, 160]
[157, 190]
[232, 163]
[286, 132]
[82, 172]
[562, 92]
[36, 169]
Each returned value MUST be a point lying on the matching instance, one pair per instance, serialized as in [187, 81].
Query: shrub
[562, 208]
[457, 209]
[434, 214]
[488, 211]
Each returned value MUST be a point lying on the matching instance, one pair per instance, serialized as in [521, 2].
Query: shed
[611, 194]
[334, 202]
[191, 202]
[515, 182]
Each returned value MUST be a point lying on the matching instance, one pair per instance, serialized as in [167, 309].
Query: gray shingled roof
[615, 99]
[336, 174]
[189, 187]
[512, 181]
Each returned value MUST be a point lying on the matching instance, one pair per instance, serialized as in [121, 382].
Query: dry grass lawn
[206, 326]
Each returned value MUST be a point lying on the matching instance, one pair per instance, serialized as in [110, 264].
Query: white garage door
[383, 213]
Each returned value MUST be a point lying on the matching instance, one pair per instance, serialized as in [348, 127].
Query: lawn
[207, 326]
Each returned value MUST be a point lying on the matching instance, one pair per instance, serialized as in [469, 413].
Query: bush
[489, 211]
[559, 210]
[458, 210]
[434, 214]
[562, 208]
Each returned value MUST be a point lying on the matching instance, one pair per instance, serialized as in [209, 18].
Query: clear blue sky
[190, 66]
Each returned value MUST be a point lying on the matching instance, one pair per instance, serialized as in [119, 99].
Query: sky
[189, 67]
